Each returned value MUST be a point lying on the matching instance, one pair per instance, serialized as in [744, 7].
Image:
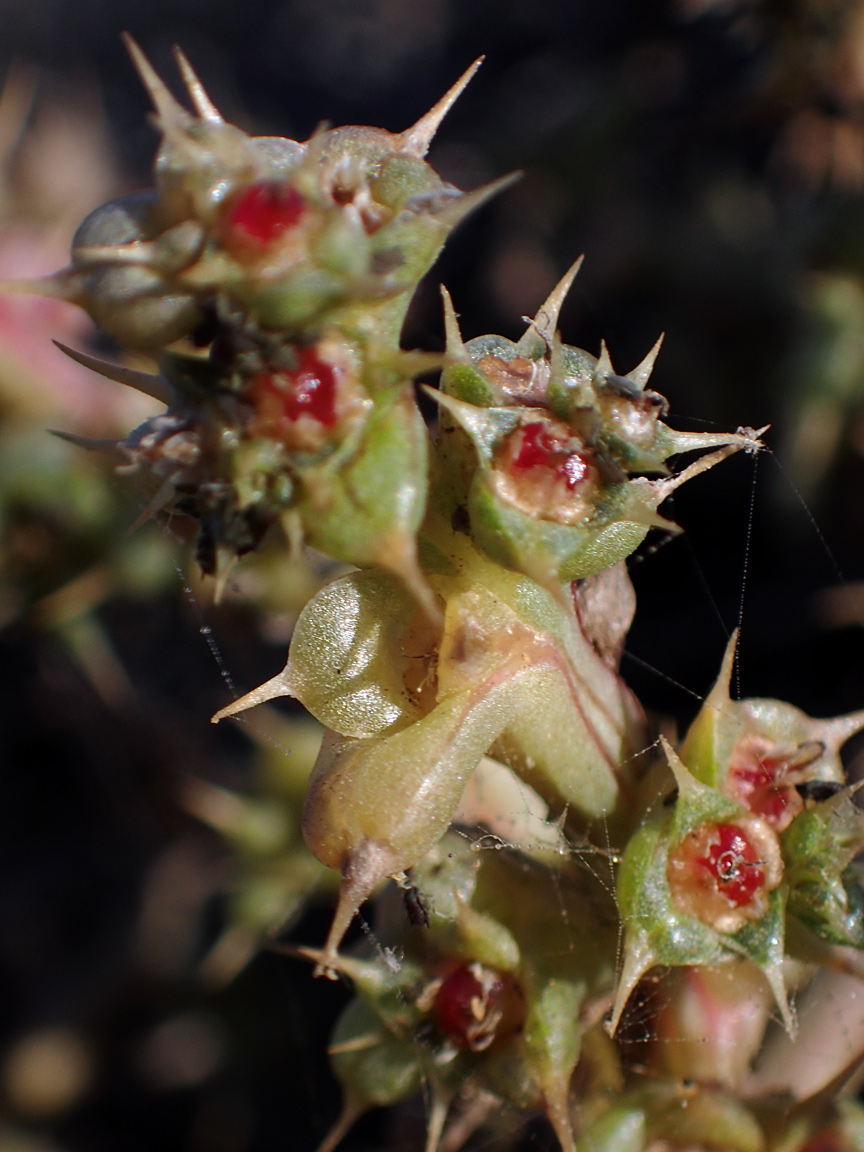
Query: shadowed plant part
[573, 916]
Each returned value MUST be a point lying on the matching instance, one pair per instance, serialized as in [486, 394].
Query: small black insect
[818, 789]
[415, 908]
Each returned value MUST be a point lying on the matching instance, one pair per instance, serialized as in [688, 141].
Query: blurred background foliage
[708, 157]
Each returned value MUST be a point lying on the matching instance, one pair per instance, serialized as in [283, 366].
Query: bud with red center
[540, 448]
[722, 873]
[700, 885]
[258, 216]
[477, 1006]
[762, 776]
[544, 469]
[302, 406]
[831, 1140]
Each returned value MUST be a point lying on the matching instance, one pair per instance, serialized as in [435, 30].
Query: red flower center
[762, 777]
[258, 215]
[476, 1006]
[282, 398]
[540, 448]
[733, 862]
[832, 1140]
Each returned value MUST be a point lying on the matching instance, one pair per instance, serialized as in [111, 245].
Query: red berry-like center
[307, 390]
[830, 1141]
[261, 213]
[760, 778]
[468, 1006]
[733, 863]
[757, 787]
[540, 448]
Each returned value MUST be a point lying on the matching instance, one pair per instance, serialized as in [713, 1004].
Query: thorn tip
[416, 140]
[170, 112]
[204, 106]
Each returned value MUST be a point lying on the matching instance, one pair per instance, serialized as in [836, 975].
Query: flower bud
[722, 873]
[556, 435]
[759, 752]
[709, 1023]
[478, 1007]
[339, 229]
[701, 885]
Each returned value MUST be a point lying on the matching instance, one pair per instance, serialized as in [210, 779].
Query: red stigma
[733, 864]
[539, 448]
[830, 1141]
[282, 398]
[312, 390]
[476, 1006]
[759, 779]
[259, 214]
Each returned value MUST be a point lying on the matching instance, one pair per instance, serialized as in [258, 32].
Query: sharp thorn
[641, 373]
[665, 488]
[150, 385]
[545, 323]
[351, 1113]
[437, 1118]
[457, 209]
[416, 140]
[720, 693]
[204, 106]
[455, 346]
[138, 252]
[171, 113]
[155, 504]
[57, 286]
[272, 689]
[109, 447]
[224, 567]
[603, 367]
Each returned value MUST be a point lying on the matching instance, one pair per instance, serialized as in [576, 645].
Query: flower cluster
[473, 645]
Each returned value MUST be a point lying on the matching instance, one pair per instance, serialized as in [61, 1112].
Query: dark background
[658, 139]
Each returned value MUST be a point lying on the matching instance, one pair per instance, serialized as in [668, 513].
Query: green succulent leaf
[825, 890]
[620, 1129]
[711, 1118]
[374, 1066]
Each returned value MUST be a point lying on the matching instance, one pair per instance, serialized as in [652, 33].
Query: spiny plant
[475, 641]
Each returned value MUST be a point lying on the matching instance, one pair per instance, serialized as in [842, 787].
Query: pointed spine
[454, 211]
[642, 372]
[204, 106]
[455, 346]
[271, 690]
[545, 323]
[109, 447]
[416, 140]
[603, 367]
[171, 114]
[749, 442]
[145, 382]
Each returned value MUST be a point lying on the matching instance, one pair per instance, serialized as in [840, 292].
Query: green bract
[415, 709]
[825, 890]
